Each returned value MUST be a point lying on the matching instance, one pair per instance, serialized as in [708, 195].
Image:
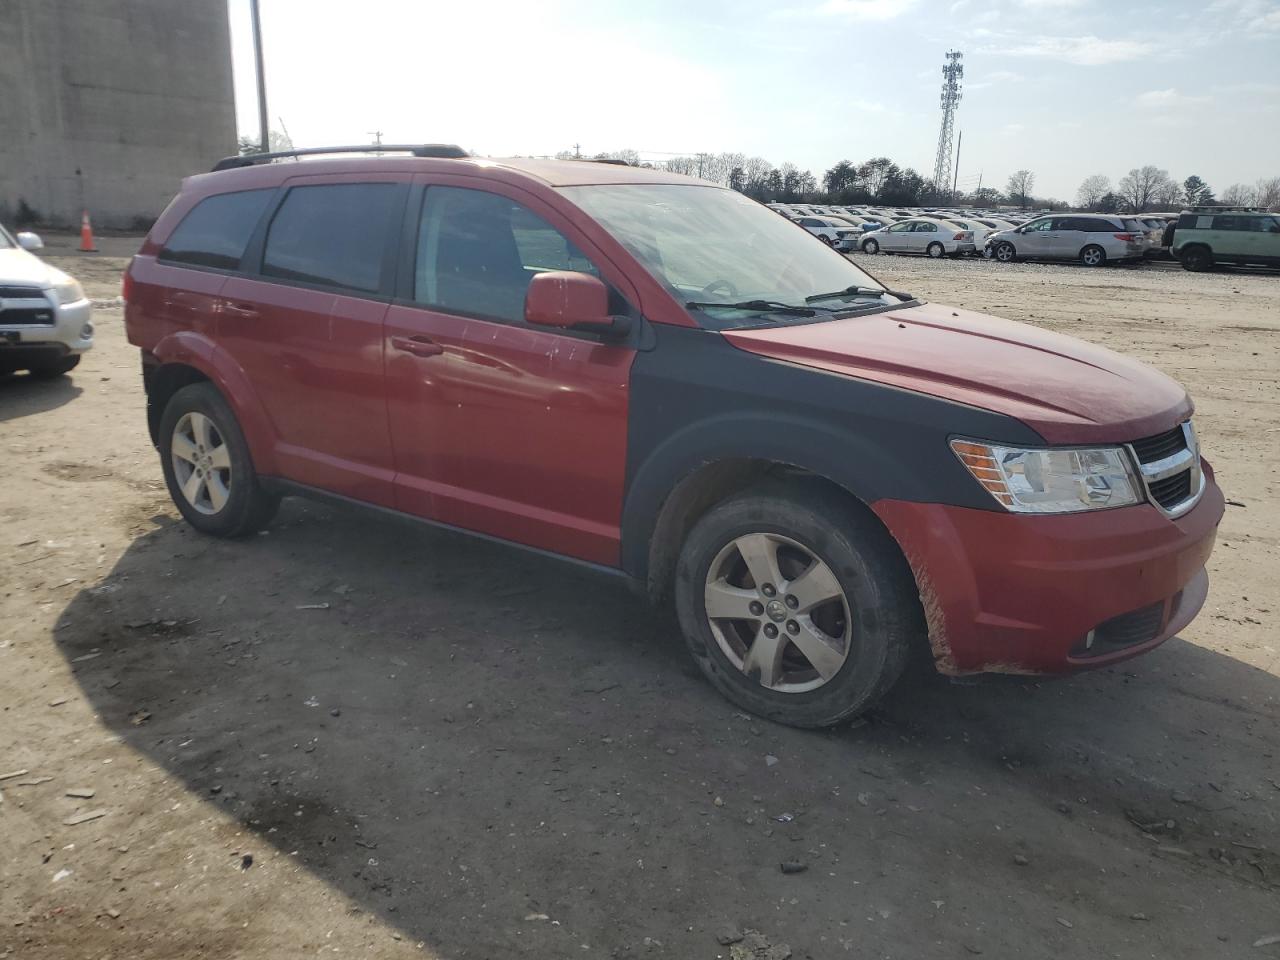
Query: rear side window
[216, 230]
[1227, 223]
[332, 234]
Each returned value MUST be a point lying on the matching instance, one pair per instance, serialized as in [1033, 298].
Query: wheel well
[161, 383]
[709, 485]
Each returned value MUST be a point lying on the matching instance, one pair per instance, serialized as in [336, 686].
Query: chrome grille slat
[1169, 464]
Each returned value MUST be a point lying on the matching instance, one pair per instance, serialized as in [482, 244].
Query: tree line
[1151, 188]
[883, 182]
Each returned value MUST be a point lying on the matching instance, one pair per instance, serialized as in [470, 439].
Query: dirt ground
[351, 736]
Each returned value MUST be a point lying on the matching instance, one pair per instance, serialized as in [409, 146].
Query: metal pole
[264, 121]
[959, 143]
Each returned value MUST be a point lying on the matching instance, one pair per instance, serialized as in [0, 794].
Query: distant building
[106, 105]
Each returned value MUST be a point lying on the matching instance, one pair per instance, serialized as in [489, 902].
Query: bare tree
[1092, 191]
[1168, 195]
[1141, 184]
[685, 165]
[1020, 186]
[1268, 190]
[1239, 195]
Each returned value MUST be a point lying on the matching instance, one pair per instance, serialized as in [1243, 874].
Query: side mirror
[571, 301]
[30, 241]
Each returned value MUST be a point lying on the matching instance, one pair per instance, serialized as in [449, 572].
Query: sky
[1064, 88]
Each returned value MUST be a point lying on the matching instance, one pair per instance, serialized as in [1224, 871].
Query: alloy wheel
[201, 463]
[777, 612]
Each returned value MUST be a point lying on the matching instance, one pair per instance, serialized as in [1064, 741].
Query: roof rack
[446, 150]
[1223, 208]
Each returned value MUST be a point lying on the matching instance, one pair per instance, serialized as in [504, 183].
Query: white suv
[44, 315]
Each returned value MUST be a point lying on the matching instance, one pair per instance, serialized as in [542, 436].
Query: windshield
[711, 245]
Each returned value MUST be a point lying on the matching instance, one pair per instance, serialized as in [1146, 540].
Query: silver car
[44, 315]
[936, 238]
[1092, 239]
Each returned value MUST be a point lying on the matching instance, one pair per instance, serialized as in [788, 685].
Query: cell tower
[952, 72]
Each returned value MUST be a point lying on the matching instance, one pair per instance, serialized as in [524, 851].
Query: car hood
[19, 267]
[1068, 391]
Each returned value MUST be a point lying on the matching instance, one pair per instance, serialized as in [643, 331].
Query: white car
[936, 238]
[828, 229]
[44, 316]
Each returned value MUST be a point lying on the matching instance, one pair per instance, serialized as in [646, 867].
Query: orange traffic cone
[86, 235]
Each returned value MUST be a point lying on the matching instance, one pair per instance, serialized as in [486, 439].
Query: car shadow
[22, 395]
[466, 740]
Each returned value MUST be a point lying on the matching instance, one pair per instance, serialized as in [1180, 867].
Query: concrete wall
[107, 104]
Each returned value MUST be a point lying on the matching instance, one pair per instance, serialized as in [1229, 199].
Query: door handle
[240, 310]
[418, 346]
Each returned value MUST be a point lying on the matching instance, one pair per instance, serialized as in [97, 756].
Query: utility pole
[959, 141]
[264, 119]
[952, 72]
[577, 151]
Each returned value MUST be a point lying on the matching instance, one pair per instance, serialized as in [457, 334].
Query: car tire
[1005, 252]
[936, 250]
[1197, 259]
[871, 246]
[54, 368]
[859, 638]
[1093, 256]
[210, 474]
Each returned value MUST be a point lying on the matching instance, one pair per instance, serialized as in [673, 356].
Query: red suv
[665, 380]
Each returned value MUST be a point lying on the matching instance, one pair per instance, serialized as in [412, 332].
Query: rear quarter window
[215, 232]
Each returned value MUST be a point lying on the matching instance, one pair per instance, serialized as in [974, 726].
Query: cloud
[1167, 99]
[1051, 4]
[867, 9]
[993, 78]
[1253, 16]
[1088, 51]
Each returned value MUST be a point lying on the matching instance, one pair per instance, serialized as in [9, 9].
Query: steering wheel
[715, 285]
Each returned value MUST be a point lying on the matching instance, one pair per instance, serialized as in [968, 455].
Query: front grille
[26, 317]
[1160, 446]
[1127, 630]
[1171, 491]
[21, 293]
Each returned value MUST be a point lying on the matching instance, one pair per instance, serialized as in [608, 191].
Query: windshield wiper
[854, 291]
[760, 306]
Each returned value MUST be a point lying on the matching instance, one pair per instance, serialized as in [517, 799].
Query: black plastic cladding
[696, 398]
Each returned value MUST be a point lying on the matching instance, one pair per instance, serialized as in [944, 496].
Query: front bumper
[70, 332]
[1040, 594]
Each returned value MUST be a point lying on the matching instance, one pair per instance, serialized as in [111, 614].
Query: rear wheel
[48, 369]
[1197, 259]
[936, 250]
[207, 466]
[870, 246]
[796, 606]
[1005, 252]
[1093, 256]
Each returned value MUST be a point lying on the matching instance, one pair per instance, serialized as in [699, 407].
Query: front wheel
[1005, 253]
[796, 605]
[871, 246]
[936, 250]
[207, 466]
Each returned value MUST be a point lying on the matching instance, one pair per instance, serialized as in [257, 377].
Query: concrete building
[106, 105]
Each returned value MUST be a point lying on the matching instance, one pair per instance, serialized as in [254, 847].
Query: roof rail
[1223, 208]
[446, 150]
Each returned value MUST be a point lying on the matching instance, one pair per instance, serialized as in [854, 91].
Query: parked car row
[1199, 239]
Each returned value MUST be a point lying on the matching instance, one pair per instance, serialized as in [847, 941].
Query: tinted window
[1045, 224]
[477, 252]
[333, 234]
[926, 228]
[1227, 223]
[216, 230]
[1260, 224]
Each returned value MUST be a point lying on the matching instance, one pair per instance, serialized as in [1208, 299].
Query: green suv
[1203, 239]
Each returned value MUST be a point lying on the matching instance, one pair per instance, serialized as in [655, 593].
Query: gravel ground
[350, 736]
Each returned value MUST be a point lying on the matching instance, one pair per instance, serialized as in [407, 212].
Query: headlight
[1051, 481]
[69, 292]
